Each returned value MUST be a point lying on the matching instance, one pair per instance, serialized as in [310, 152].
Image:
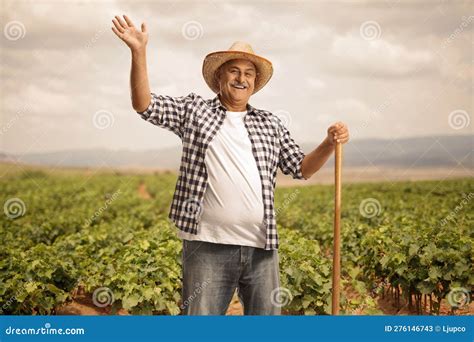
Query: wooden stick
[336, 263]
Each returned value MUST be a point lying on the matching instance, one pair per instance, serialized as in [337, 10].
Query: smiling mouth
[241, 87]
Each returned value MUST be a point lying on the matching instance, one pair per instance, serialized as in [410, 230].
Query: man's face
[237, 80]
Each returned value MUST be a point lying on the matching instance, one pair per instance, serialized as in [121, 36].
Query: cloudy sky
[389, 69]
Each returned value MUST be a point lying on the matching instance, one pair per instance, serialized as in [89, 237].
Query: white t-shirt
[232, 208]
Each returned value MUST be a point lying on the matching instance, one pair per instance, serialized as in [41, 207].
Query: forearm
[313, 161]
[139, 86]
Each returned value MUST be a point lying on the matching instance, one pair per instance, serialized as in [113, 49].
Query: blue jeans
[212, 272]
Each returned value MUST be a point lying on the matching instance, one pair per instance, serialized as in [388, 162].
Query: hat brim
[215, 59]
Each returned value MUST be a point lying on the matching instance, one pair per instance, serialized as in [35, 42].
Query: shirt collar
[216, 103]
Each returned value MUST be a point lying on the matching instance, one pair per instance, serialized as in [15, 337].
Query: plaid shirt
[196, 121]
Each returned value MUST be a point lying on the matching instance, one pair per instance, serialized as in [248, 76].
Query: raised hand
[135, 38]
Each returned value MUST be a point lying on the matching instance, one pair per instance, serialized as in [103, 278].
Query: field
[77, 242]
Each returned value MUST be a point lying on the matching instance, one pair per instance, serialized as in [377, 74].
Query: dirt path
[82, 305]
[389, 307]
[143, 192]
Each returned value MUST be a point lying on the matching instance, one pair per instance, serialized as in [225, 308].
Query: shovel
[336, 269]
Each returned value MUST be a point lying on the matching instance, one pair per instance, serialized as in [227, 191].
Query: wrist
[329, 142]
[138, 51]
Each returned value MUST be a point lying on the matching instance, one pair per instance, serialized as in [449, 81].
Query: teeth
[239, 87]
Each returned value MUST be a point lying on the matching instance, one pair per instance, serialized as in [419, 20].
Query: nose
[241, 78]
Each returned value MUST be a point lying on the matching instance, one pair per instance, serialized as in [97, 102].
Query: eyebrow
[251, 69]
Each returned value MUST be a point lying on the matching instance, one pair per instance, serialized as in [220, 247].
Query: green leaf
[425, 288]
[148, 293]
[434, 273]
[306, 301]
[130, 301]
[144, 244]
[413, 249]
[31, 286]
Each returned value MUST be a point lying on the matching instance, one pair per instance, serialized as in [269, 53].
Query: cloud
[69, 65]
[355, 55]
[316, 83]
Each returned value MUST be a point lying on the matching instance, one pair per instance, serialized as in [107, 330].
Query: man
[224, 196]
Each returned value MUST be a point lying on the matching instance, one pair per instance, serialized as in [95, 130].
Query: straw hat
[238, 50]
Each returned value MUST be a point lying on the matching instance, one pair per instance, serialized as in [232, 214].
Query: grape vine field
[65, 233]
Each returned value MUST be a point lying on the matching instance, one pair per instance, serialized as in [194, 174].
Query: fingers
[342, 139]
[144, 29]
[129, 22]
[342, 136]
[339, 132]
[338, 127]
[335, 130]
[119, 34]
[118, 26]
[121, 21]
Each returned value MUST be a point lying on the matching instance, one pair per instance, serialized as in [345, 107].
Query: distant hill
[432, 151]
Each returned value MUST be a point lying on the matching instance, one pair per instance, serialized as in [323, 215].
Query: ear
[217, 74]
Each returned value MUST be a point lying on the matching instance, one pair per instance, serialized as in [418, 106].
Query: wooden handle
[336, 269]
